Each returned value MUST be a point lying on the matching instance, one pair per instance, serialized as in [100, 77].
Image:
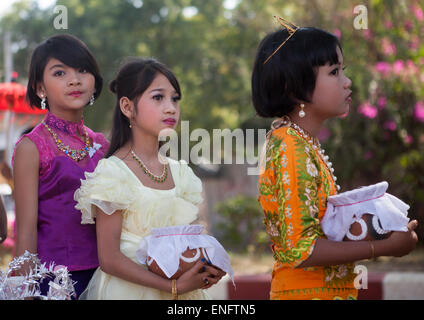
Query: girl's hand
[401, 243]
[218, 276]
[200, 276]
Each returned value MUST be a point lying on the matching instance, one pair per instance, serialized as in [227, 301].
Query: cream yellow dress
[113, 186]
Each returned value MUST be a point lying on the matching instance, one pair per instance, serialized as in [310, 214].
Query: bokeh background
[210, 45]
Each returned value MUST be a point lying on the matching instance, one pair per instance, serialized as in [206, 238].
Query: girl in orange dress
[298, 78]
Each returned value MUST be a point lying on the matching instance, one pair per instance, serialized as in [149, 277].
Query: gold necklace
[76, 155]
[155, 178]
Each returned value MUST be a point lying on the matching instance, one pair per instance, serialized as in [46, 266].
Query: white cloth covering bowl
[165, 246]
[344, 208]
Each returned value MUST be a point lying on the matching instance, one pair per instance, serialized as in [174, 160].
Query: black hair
[69, 50]
[133, 78]
[289, 75]
[26, 131]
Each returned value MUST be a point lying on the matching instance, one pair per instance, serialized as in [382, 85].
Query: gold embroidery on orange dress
[292, 192]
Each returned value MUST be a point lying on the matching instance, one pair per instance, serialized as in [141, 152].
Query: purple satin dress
[62, 238]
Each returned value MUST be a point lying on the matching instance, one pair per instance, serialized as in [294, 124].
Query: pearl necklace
[317, 146]
[158, 179]
[76, 155]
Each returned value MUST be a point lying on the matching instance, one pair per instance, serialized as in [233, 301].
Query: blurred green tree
[211, 45]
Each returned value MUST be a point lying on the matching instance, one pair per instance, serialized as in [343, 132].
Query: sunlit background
[210, 45]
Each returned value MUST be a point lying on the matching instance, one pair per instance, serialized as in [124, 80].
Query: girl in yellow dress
[134, 190]
[298, 78]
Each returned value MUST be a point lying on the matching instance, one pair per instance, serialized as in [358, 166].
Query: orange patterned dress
[293, 192]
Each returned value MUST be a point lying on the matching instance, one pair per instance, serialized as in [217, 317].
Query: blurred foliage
[211, 45]
[242, 227]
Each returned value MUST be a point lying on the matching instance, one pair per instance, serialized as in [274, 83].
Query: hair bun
[113, 86]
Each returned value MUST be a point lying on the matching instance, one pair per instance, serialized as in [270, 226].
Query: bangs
[74, 57]
[149, 74]
[324, 47]
[71, 51]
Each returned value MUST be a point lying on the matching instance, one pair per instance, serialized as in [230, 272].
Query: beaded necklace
[155, 178]
[76, 155]
[317, 146]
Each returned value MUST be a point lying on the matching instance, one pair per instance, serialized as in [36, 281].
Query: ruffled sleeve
[108, 187]
[190, 186]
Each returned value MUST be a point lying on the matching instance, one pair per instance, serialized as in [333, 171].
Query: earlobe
[126, 106]
[40, 91]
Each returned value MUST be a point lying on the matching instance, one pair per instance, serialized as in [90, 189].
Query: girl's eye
[58, 73]
[335, 71]
[158, 97]
[176, 98]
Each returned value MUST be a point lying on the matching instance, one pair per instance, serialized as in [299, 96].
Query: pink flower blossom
[368, 110]
[408, 139]
[398, 67]
[383, 67]
[337, 33]
[381, 103]
[419, 111]
[411, 68]
[367, 34]
[388, 24]
[388, 47]
[418, 12]
[390, 125]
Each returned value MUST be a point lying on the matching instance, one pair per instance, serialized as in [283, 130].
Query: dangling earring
[130, 125]
[301, 112]
[43, 103]
[92, 100]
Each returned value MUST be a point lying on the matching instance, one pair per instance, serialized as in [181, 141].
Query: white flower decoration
[311, 168]
[93, 149]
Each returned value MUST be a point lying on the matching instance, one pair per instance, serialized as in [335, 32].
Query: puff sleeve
[290, 197]
[190, 184]
[107, 187]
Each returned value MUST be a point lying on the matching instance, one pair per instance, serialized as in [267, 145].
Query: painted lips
[75, 93]
[170, 121]
[348, 98]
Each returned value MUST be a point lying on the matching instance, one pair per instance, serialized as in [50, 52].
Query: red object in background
[12, 98]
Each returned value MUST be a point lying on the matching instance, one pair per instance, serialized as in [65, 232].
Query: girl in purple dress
[49, 162]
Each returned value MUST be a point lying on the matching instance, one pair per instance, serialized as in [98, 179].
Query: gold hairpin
[291, 29]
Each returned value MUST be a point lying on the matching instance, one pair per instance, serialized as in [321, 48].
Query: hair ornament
[291, 29]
